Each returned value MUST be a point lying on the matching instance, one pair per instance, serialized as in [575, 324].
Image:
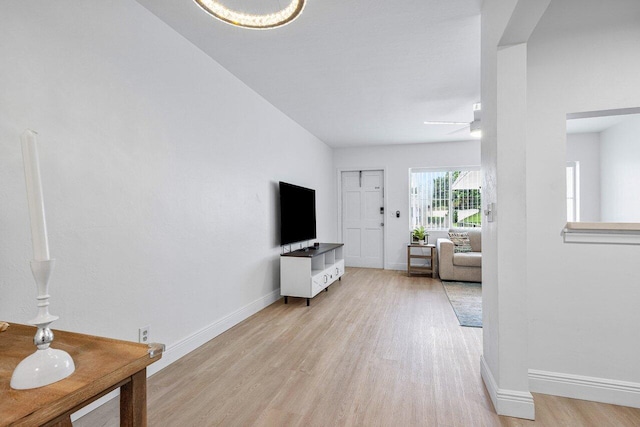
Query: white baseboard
[95, 405]
[511, 403]
[585, 388]
[192, 342]
[396, 266]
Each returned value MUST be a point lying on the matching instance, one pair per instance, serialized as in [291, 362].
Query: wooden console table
[421, 269]
[102, 365]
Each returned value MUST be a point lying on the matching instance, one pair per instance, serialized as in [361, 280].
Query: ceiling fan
[474, 126]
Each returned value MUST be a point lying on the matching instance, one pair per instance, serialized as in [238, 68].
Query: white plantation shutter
[440, 199]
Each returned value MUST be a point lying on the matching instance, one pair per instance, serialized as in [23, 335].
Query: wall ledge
[617, 233]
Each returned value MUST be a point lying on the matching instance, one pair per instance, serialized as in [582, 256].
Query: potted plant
[420, 234]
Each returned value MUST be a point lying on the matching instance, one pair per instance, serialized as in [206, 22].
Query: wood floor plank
[378, 349]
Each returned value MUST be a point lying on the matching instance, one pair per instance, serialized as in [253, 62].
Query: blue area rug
[466, 300]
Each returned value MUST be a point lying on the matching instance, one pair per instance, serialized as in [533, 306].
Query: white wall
[503, 362]
[620, 154]
[582, 299]
[396, 161]
[159, 169]
[585, 148]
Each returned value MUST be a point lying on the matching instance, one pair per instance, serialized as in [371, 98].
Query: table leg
[433, 262]
[133, 401]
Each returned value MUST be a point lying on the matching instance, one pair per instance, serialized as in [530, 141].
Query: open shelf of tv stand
[306, 272]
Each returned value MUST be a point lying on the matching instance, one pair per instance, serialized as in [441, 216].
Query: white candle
[34, 195]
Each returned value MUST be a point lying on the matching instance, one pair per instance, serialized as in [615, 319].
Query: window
[602, 187]
[573, 191]
[440, 199]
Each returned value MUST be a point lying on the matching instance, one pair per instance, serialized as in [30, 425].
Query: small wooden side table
[421, 269]
[102, 365]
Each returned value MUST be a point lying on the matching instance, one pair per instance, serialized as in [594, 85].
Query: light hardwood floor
[378, 349]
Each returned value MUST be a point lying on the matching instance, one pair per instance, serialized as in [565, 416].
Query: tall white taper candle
[34, 195]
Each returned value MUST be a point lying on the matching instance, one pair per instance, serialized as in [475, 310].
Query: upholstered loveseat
[463, 266]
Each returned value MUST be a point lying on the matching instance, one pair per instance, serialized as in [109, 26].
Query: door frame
[384, 204]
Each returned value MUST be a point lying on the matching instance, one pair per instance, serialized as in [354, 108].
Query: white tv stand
[306, 272]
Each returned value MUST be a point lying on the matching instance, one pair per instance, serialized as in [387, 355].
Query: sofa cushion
[475, 237]
[460, 241]
[468, 259]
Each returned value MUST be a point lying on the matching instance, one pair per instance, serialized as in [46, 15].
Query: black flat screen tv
[297, 213]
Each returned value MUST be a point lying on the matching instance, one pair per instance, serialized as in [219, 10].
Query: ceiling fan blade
[445, 123]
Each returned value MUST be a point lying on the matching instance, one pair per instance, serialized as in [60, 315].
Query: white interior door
[363, 218]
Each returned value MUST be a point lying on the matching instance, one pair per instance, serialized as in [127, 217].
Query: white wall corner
[585, 388]
[511, 403]
[523, 21]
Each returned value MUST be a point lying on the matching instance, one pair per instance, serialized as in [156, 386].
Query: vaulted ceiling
[354, 72]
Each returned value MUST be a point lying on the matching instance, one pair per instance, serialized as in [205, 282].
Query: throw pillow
[460, 241]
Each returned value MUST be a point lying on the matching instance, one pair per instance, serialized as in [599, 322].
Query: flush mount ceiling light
[252, 20]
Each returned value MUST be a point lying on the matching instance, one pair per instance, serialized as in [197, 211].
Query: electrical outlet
[143, 335]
